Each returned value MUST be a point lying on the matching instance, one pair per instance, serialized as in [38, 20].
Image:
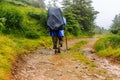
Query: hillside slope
[21, 30]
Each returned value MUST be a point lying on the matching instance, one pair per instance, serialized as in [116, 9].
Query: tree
[99, 30]
[38, 3]
[66, 3]
[49, 4]
[115, 27]
[42, 4]
[55, 3]
[83, 13]
[52, 3]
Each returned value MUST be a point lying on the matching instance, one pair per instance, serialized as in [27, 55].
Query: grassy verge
[108, 46]
[79, 55]
[74, 52]
[10, 47]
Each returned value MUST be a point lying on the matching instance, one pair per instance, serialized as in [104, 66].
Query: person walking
[56, 23]
[58, 35]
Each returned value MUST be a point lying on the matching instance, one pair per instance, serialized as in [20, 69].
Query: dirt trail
[101, 62]
[43, 64]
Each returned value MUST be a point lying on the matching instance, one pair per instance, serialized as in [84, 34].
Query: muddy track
[105, 63]
[43, 64]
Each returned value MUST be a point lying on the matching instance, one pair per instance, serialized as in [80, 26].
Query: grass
[78, 55]
[78, 45]
[82, 58]
[108, 46]
[10, 47]
[15, 43]
[21, 21]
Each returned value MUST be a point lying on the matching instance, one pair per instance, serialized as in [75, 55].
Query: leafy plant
[2, 24]
[80, 16]
[13, 16]
[32, 35]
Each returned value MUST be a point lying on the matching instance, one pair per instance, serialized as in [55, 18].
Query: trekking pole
[66, 41]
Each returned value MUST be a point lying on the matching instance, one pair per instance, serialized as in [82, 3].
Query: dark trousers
[55, 39]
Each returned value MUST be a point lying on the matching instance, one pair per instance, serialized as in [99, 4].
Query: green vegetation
[82, 58]
[79, 55]
[23, 28]
[79, 45]
[80, 17]
[25, 21]
[115, 27]
[76, 55]
[20, 17]
[99, 30]
[108, 46]
[11, 47]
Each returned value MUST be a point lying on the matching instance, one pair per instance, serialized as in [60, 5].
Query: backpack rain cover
[55, 18]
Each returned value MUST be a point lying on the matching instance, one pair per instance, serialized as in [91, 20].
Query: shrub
[17, 3]
[32, 35]
[42, 17]
[2, 24]
[99, 46]
[114, 41]
[2, 27]
[108, 46]
[34, 15]
[17, 20]
[13, 16]
[6, 30]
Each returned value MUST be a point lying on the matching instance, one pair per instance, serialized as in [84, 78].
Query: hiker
[56, 23]
[58, 35]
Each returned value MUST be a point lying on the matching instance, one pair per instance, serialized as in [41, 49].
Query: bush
[112, 41]
[32, 35]
[17, 3]
[2, 27]
[6, 30]
[109, 46]
[100, 44]
[42, 17]
[2, 24]
[13, 16]
[34, 15]
[17, 20]
[114, 31]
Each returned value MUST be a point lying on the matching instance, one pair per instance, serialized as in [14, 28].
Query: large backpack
[55, 18]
